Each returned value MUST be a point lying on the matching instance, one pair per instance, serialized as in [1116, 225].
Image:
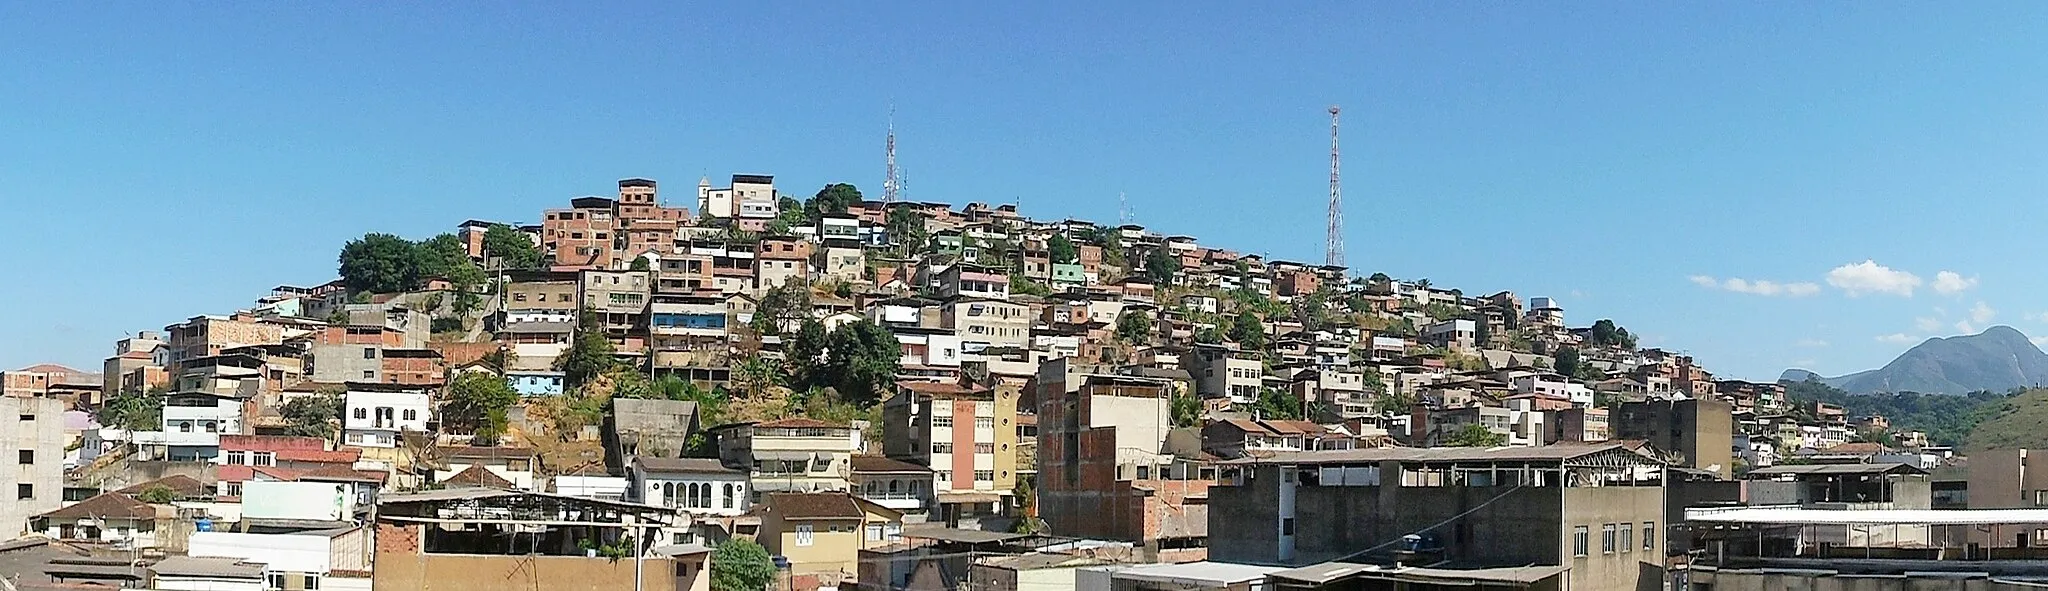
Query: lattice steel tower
[1333, 253]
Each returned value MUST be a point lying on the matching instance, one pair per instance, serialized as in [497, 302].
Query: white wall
[278, 552]
[198, 584]
[298, 500]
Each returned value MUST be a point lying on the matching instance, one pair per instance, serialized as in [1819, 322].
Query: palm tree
[753, 376]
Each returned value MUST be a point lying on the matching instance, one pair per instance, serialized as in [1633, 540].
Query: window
[1287, 526]
[369, 353]
[984, 422]
[273, 581]
[212, 427]
[237, 458]
[1628, 537]
[1579, 541]
[729, 494]
[1607, 539]
[369, 374]
[942, 448]
[943, 476]
[874, 532]
[942, 421]
[185, 427]
[803, 535]
[232, 489]
[985, 475]
[984, 448]
[1144, 473]
[24, 491]
[28, 456]
[362, 413]
[1649, 535]
[412, 415]
[264, 458]
[312, 583]
[27, 418]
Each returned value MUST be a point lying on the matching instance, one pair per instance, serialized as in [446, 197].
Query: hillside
[1998, 359]
[2017, 423]
[1948, 420]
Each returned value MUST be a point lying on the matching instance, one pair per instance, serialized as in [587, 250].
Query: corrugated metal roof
[1197, 572]
[1333, 571]
[1823, 469]
[216, 568]
[1872, 517]
[1554, 452]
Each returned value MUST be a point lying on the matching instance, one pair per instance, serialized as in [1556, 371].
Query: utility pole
[1333, 248]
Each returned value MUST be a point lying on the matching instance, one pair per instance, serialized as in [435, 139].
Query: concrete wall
[1706, 580]
[2006, 478]
[35, 425]
[471, 572]
[1330, 522]
[1631, 566]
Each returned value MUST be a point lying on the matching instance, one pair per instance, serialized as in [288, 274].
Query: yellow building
[825, 532]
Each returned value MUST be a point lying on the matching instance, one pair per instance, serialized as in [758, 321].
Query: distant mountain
[1998, 359]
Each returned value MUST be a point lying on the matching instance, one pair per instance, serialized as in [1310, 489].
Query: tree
[906, 227]
[478, 401]
[640, 264]
[440, 256]
[1161, 266]
[590, 352]
[512, 248]
[1186, 410]
[740, 564]
[1208, 335]
[134, 411]
[782, 303]
[834, 198]
[753, 376]
[1249, 332]
[1567, 361]
[312, 416]
[1475, 435]
[377, 263]
[1394, 403]
[861, 361]
[157, 494]
[1603, 333]
[1062, 249]
[806, 350]
[1278, 405]
[1134, 327]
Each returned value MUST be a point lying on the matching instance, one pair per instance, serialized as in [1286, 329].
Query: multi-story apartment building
[730, 201]
[619, 300]
[1700, 431]
[1595, 510]
[202, 336]
[1224, 372]
[984, 323]
[964, 433]
[540, 308]
[131, 354]
[1102, 472]
[33, 449]
[414, 367]
[789, 455]
[782, 261]
[974, 281]
[583, 236]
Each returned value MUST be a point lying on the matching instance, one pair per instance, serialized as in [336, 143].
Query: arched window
[728, 495]
[696, 495]
[668, 494]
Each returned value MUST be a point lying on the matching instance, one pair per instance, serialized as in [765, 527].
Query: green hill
[2018, 422]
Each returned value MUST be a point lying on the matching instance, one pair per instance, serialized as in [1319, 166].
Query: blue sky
[165, 160]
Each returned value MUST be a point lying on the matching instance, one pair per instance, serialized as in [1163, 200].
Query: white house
[375, 414]
[699, 486]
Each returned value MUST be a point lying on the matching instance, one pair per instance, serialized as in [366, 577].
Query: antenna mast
[1333, 249]
[890, 182]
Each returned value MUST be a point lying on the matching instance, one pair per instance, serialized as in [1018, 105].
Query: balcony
[900, 501]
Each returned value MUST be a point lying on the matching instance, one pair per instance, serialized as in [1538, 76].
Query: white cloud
[1810, 343]
[1925, 324]
[1963, 326]
[1982, 313]
[1762, 287]
[1897, 337]
[1869, 277]
[2038, 340]
[1951, 283]
[1805, 363]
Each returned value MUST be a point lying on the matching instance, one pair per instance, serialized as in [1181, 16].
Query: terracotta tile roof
[1860, 447]
[798, 422]
[879, 464]
[832, 505]
[476, 475]
[185, 486]
[106, 505]
[938, 388]
[490, 453]
[321, 456]
[343, 473]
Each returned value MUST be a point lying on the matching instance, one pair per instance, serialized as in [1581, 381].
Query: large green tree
[1186, 410]
[1277, 404]
[513, 248]
[861, 361]
[834, 198]
[1249, 332]
[134, 411]
[378, 263]
[1161, 266]
[806, 350]
[1062, 249]
[1134, 327]
[590, 353]
[1475, 435]
[740, 564]
[906, 228]
[479, 401]
[312, 416]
